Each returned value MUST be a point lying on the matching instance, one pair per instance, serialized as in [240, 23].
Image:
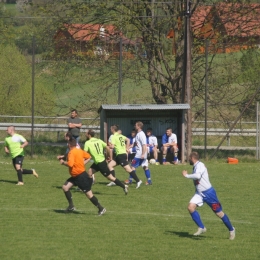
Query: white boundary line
[125, 212]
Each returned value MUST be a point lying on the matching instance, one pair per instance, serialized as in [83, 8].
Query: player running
[121, 145]
[141, 153]
[79, 177]
[204, 193]
[96, 148]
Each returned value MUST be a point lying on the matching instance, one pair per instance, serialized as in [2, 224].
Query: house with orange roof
[91, 40]
[229, 27]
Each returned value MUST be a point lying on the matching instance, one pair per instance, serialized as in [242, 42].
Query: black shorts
[18, 160]
[121, 159]
[82, 181]
[101, 167]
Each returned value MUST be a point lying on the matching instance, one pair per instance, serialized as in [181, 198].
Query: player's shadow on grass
[184, 234]
[57, 187]
[74, 189]
[8, 181]
[62, 211]
[102, 182]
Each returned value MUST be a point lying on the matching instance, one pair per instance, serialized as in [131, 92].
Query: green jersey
[14, 144]
[95, 147]
[118, 141]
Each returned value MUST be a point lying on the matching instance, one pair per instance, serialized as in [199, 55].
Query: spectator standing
[14, 144]
[74, 125]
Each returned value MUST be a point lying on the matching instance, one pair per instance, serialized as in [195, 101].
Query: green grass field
[149, 223]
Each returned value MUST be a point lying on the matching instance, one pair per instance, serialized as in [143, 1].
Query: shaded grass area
[149, 223]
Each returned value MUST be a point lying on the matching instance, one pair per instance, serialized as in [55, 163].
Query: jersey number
[98, 148]
[122, 141]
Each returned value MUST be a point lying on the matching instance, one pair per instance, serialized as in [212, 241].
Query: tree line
[232, 77]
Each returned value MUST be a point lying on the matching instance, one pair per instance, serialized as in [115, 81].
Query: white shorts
[197, 199]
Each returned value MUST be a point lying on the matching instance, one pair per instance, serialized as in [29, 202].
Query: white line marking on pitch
[125, 212]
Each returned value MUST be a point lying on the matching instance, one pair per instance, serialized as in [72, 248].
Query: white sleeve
[22, 139]
[197, 172]
[194, 176]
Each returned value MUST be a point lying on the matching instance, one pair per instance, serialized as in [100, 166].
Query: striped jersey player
[204, 193]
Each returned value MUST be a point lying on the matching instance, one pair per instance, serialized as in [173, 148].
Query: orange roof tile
[199, 17]
[240, 20]
[88, 32]
[198, 20]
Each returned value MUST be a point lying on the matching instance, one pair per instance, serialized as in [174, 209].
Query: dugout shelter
[158, 117]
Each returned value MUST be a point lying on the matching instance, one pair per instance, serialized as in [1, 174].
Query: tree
[15, 85]
[150, 21]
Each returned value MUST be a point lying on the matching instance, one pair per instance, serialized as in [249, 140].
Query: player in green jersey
[121, 145]
[96, 147]
[14, 145]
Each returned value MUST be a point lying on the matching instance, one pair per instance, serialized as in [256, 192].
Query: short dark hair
[168, 128]
[69, 134]
[149, 129]
[74, 110]
[91, 132]
[72, 142]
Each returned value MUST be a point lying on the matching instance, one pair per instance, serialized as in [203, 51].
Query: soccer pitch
[149, 223]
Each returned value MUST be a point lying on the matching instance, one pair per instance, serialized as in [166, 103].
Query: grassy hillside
[78, 86]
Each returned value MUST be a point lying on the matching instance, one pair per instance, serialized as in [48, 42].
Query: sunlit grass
[149, 223]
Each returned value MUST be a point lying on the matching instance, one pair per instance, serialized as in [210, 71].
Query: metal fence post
[257, 130]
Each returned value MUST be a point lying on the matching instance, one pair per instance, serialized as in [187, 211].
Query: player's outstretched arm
[6, 149]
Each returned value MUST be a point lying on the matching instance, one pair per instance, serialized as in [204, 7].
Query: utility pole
[120, 72]
[186, 85]
[33, 76]
[206, 97]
